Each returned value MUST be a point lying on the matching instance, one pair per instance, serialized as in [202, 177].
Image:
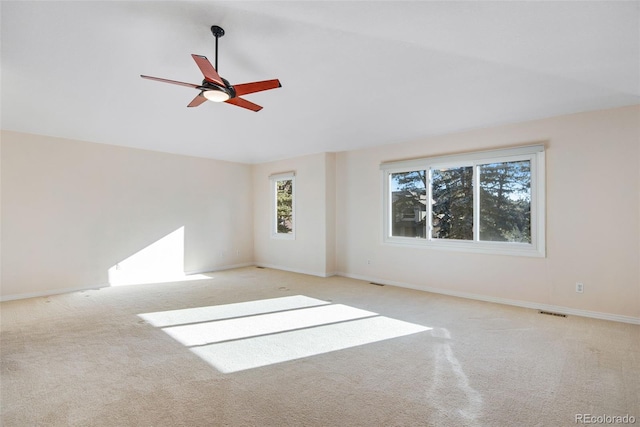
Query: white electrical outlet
[579, 287]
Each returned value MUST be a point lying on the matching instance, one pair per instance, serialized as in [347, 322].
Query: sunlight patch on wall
[245, 341]
[161, 261]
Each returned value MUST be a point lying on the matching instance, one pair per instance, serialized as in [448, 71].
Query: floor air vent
[377, 284]
[257, 266]
[550, 313]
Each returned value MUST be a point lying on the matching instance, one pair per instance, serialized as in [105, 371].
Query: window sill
[490, 248]
[283, 236]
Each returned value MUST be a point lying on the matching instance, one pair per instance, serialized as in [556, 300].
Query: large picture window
[490, 202]
[282, 196]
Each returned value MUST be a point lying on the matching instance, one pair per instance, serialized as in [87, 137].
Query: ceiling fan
[215, 88]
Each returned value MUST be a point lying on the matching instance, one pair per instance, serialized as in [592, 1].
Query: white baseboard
[517, 303]
[294, 270]
[50, 292]
[220, 268]
[106, 285]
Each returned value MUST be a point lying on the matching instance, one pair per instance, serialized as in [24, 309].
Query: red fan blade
[245, 88]
[170, 81]
[240, 102]
[210, 74]
[199, 99]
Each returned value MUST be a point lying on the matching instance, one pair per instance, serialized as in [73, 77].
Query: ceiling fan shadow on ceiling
[217, 89]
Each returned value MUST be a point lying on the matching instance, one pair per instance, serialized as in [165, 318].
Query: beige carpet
[259, 347]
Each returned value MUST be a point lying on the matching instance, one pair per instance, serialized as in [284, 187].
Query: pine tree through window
[487, 201]
[283, 205]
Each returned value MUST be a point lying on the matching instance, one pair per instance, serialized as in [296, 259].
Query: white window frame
[534, 153]
[274, 179]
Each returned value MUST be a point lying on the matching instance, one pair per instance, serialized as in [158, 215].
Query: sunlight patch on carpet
[240, 336]
[227, 311]
[246, 327]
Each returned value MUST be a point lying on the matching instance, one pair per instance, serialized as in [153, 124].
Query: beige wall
[313, 249]
[593, 203]
[71, 210]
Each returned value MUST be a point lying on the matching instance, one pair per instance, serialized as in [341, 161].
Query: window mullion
[429, 219]
[475, 180]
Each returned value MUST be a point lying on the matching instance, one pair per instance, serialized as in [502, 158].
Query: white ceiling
[354, 74]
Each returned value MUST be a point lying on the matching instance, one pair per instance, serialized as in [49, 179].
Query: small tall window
[283, 205]
[490, 202]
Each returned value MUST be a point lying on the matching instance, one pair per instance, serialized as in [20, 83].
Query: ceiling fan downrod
[217, 33]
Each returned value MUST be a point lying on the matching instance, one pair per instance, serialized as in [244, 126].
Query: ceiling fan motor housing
[207, 85]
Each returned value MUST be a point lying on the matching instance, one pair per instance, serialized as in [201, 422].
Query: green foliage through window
[409, 204]
[504, 202]
[284, 206]
[452, 207]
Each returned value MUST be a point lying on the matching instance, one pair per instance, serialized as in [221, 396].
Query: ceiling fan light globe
[216, 95]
